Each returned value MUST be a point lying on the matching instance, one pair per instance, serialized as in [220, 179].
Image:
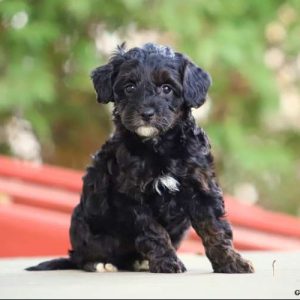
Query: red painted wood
[32, 194]
[29, 231]
[191, 246]
[37, 221]
[64, 201]
[41, 174]
[260, 219]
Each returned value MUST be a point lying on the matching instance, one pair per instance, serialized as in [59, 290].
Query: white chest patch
[166, 182]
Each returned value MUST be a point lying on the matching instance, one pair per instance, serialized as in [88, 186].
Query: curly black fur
[154, 177]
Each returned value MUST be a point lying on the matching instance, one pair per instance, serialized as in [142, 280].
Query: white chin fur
[147, 131]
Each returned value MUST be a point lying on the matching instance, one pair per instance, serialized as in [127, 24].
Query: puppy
[154, 178]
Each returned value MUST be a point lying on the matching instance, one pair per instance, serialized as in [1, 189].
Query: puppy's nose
[147, 113]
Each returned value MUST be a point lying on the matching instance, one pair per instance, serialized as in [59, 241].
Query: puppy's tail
[55, 264]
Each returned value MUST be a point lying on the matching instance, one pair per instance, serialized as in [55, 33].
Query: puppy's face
[151, 87]
[148, 95]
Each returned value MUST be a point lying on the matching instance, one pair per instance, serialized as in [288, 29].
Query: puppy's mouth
[147, 131]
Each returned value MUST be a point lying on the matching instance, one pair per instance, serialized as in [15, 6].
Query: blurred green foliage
[47, 50]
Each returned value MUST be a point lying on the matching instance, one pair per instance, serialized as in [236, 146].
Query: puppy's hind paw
[105, 268]
[110, 268]
[100, 268]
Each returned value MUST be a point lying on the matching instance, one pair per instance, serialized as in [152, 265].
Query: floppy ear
[101, 78]
[196, 83]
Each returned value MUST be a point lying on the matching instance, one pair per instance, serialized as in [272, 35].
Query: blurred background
[48, 110]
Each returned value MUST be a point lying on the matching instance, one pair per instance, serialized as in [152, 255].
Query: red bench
[36, 202]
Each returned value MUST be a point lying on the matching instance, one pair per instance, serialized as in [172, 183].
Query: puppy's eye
[130, 88]
[166, 89]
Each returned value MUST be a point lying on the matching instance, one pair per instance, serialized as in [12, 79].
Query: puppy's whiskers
[133, 119]
[164, 123]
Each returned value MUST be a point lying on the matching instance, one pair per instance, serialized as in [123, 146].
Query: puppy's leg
[207, 216]
[92, 252]
[154, 244]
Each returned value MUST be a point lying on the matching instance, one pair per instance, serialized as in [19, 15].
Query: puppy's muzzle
[147, 113]
[147, 130]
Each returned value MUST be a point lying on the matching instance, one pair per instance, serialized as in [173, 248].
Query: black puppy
[154, 177]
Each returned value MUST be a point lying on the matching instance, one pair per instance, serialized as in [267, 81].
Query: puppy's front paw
[237, 265]
[167, 265]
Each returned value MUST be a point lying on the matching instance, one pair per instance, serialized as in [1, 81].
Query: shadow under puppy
[154, 177]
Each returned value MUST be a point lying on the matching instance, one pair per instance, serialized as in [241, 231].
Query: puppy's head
[151, 87]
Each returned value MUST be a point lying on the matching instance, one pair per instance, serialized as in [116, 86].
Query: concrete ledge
[198, 282]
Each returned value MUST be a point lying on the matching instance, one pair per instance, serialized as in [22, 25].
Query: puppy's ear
[102, 80]
[196, 83]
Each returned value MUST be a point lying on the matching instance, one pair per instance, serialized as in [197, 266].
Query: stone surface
[198, 282]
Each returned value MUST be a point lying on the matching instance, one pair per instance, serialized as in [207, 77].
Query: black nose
[147, 113]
